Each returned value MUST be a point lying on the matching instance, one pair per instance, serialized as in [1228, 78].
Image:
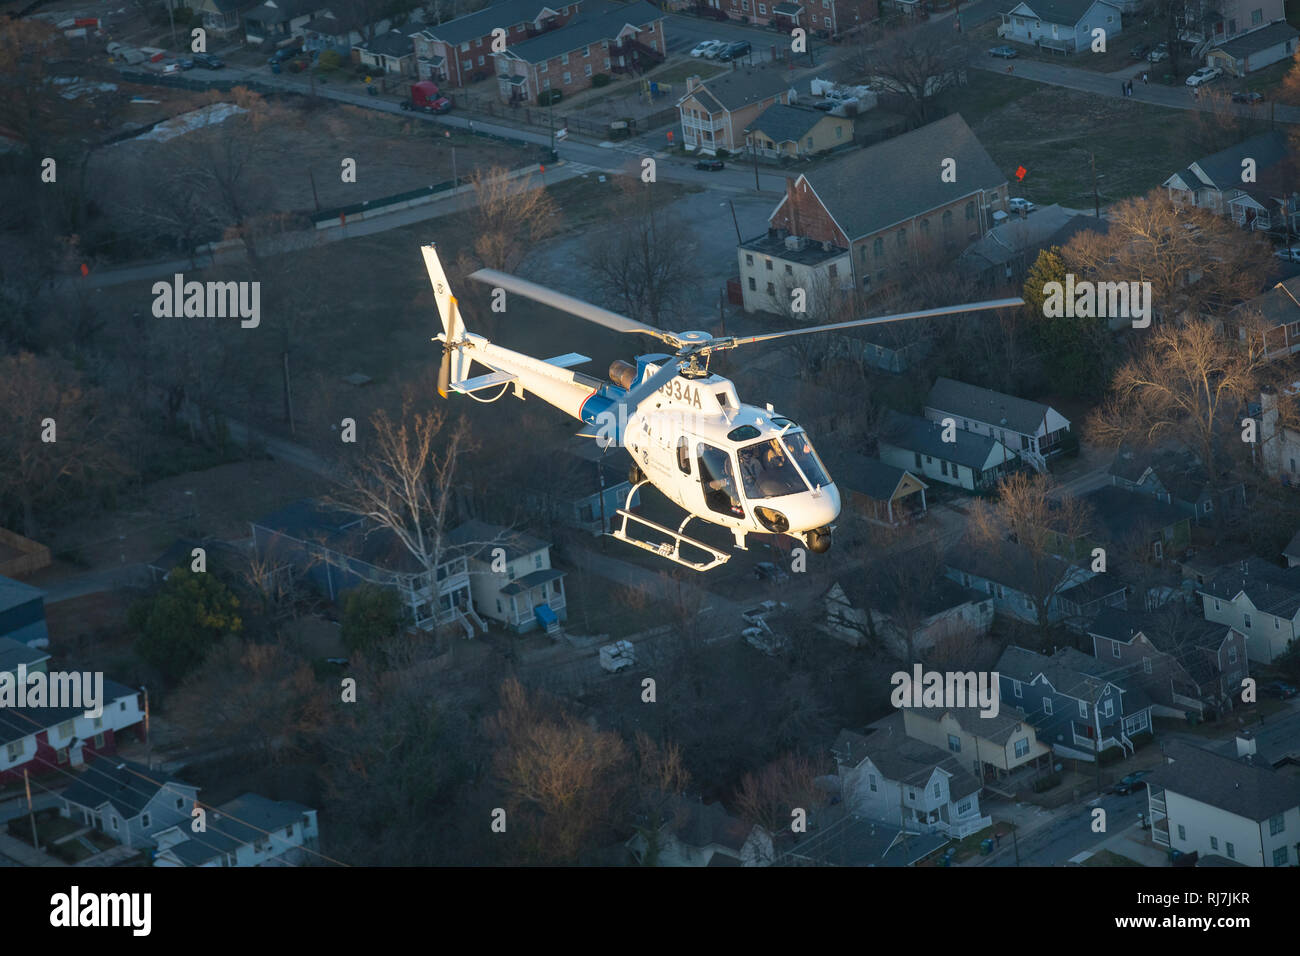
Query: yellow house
[794, 132]
[992, 747]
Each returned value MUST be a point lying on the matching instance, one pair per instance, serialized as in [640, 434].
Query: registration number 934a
[680, 391]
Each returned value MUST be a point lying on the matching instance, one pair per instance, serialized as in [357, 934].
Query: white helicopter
[745, 468]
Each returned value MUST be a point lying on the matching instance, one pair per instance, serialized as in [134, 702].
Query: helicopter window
[801, 450]
[722, 396]
[684, 455]
[783, 423]
[718, 479]
[743, 433]
[766, 471]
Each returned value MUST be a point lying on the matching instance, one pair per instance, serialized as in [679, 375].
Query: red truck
[425, 97]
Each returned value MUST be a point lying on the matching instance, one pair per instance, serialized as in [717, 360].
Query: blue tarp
[545, 616]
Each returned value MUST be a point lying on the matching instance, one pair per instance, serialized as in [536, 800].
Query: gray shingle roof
[393, 43]
[1277, 304]
[910, 761]
[283, 11]
[17, 723]
[786, 124]
[913, 433]
[985, 405]
[584, 30]
[341, 532]
[739, 88]
[13, 653]
[235, 824]
[1270, 588]
[999, 728]
[1121, 513]
[867, 476]
[1070, 672]
[1224, 167]
[15, 593]
[871, 189]
[1261, 39]
[517, 544]
[1254, 791]
[128, 786]
[481, 23]
[1067, 12]
[1003, 562]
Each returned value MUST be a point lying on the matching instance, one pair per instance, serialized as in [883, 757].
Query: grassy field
[1020, 124]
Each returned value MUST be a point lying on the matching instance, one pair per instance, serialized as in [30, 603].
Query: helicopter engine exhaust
[622, 373]
[819, 540]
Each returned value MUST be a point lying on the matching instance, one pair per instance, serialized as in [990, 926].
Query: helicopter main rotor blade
[879, 320]
[567, 303]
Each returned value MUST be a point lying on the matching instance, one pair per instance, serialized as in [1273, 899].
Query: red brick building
[454, 52]
[625, 39]
[830, 17]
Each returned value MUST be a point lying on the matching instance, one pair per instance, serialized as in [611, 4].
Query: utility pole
[734, 221]
[1015, 844]
[147, 739]
[753, 149]
[36, 841]
[171, 18]
[288, 395]
[1096, 197]
[314, 198]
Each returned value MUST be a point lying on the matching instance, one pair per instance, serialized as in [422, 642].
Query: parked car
[734, 51]
[284, 53]
[1280, 690]
[1132, 783]
[1204, 75]
[1004, 52]
[208, 61]
[710, 164]
[186, 63]
[702, 49]
[1290, 255]
[767, 571]
[1250, 98]
[171, 66]
[825, 105]
[1160, 52]
[1017, 204]
[1139, 51]
[715, 49]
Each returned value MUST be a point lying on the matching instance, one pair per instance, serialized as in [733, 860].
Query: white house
[1255, 50]
[1032, 430]
[1237, 808]
[886, 775]
[511, 577]
[1064, 25]
[250, 830]
[1258, 599]
[1215, 183]
[970, 461]
[699, 834]
[127, 800]
[945, 611]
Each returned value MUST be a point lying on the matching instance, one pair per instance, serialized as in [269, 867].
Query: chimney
[791, 201]
[692, 82]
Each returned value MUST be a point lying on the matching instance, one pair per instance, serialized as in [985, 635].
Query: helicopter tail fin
[455, 364]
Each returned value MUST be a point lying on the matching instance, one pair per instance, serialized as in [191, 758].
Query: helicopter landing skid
[672, 550]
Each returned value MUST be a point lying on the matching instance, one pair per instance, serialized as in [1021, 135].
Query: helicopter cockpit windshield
[780, 466]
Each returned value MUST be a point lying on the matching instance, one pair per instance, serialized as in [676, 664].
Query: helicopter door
[718, 481]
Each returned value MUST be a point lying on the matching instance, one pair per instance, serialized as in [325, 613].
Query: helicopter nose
[818, 509]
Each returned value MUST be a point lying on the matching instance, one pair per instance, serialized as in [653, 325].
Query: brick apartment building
[832, 17]
[869, 218]
[456, 51]
[620, 40]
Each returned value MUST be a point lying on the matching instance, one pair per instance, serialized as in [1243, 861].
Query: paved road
[1068, 833]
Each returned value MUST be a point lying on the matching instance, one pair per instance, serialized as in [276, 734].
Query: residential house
[1255, 50]
[128, 801]
[970, 461]
[22, 613]
[512, 578]
[1215, 183]
[623, 39]
[716, 113]
[250, 830]
[1077, 704]
[1065, 26]
[1292, 551]
[1214, 22]
[831, 232]
[337, 32]
[337, 551]
[1034, 431]
[1271, 321]
[1176, 476]
[1217, 805]
[40, 740]
[828, 17]
[1258, 599]
[700, 834]
[1279, 438]
[891, 353]
[1135, 523]
[221, 17]
[391, 52]
[21, 556]
[1017, 582]
[1012, 245]
[858, 609]
[881, 493]
[583, 486]
[459, 51]
[784, 132]
[886, 775]
[278, 20]
[1189, 668]
[998, 749]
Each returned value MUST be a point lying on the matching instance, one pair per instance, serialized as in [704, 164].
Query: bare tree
[661, 778]
[1028, 528]
[1187, 384]
[644, 263]
[915, 66]
[769, 797]
[510, 216]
